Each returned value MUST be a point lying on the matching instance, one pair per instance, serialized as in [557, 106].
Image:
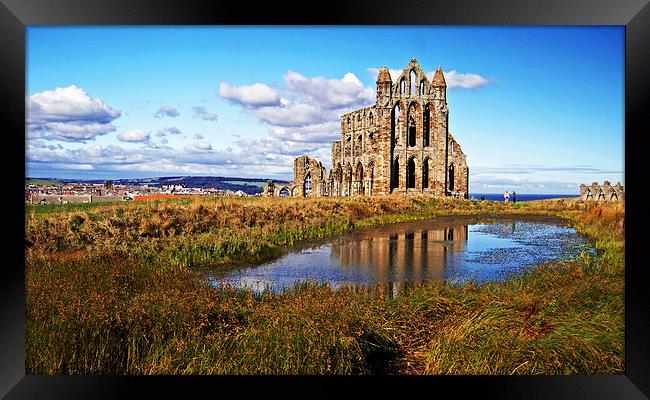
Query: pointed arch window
[411, 142]
[425, 173]
[308, 184]
[396, 125]
[410, 173]
[451, 178]
[402, 86]
[425, 127]
[358, 146]
[394, 178]
[413, 83]
[411, 131]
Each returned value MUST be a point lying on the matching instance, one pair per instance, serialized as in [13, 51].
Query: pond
[392, 257]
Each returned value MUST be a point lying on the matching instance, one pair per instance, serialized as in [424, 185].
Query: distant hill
[42, 182]
[246, 185]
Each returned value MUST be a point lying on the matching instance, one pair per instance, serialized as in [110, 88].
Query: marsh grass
[115, 289]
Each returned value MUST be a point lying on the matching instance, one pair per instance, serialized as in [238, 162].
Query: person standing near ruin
[506, 196]
[514, 196]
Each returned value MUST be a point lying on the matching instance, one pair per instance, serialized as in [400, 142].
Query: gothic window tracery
[308, 184]
[412, 79]
[425, 130]
[397, 125]
[410, 173]
[425, 173]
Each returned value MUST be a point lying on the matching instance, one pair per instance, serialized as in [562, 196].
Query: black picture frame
[16, 15]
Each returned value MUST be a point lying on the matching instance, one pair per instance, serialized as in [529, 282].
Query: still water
[395, 256]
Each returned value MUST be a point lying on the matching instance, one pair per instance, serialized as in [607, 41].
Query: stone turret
[439, 84]
[384, 83]
[439, 78]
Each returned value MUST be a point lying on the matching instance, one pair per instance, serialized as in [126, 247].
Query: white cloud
[455, 79]
[252, 158]
[295, 114]
[308, 101]
[68, 114]
[134, 135]
[202, 112]
[331, 93]
[304, 117]
[198, 147]
[68, 104]
[466, 81]
[168, 111]
[317, 133]
[74, 131]
[255, 95]
[171, 131]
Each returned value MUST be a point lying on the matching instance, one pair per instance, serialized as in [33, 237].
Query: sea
[520, 196]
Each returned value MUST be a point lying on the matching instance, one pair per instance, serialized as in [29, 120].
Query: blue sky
[536, 109]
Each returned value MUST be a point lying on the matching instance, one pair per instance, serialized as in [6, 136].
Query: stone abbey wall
[309, 177]
[400, 144]
[606, 192]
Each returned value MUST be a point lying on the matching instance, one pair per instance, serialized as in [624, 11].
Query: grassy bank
[113, 290]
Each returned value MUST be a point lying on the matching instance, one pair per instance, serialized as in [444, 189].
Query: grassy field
[259, 184]
[42, 182]
[115, 289]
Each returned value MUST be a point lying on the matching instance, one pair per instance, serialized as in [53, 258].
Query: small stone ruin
[605, 192]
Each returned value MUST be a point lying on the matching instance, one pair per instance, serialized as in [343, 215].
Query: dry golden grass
[110, 290]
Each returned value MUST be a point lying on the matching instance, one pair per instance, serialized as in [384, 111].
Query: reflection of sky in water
[446, 249]
[314, 264]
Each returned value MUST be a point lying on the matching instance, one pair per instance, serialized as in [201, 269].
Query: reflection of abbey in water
[413, 255]
[400, 144]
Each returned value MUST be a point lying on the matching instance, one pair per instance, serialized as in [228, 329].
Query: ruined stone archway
[425, 173]
[426, 128]
[412, 82]
[370, 178]
[284, 192]
[411, 140]
[347, 180]
[307, 184]
[394, 176]
[396, 124]
[358, 188]
[410, 173]
[337, 181]
[451, 177]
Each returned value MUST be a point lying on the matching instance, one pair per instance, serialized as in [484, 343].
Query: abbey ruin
[400, 144]
[606, 192]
